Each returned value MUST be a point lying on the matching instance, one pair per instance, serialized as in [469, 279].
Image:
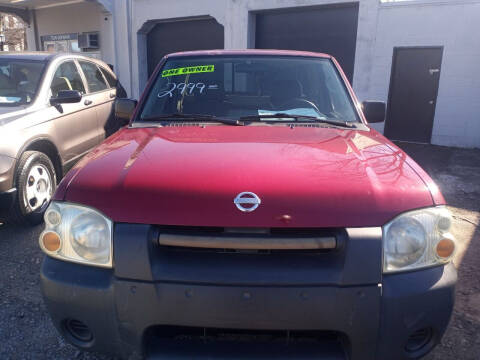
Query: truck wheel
[36, 183]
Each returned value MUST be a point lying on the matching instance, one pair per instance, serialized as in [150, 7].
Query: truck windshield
[19, 80]
[253, 87]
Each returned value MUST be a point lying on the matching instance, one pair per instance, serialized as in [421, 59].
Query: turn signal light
[445, 248]
[51, 241]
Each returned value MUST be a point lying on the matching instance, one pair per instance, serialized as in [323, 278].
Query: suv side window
[110, 79]
[114, 83]
[95, 79]
[67, 77]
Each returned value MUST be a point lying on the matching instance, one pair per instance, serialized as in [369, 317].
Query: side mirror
[374, 111]
[66, 97]
[124, 108]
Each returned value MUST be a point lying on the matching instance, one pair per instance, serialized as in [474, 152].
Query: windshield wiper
[297, 118]
[199, 117]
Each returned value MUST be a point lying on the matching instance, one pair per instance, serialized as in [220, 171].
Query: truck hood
[305, 177]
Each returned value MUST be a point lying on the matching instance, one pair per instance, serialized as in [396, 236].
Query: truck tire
[35, 180]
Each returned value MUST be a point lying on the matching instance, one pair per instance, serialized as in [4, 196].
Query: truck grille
[248, 240]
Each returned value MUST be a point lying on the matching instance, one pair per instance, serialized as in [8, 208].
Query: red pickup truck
[249, 211]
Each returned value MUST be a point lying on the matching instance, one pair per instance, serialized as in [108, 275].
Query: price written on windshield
[188, 88]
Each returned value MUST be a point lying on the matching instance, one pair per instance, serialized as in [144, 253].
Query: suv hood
[318, 177]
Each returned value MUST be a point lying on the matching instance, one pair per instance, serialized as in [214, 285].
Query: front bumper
[132, 313]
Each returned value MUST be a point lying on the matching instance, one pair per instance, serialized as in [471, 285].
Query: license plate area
[181, 342]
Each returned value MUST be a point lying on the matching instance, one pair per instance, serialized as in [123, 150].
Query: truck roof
[250, 52]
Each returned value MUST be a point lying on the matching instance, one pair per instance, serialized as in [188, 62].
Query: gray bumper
[129, 316]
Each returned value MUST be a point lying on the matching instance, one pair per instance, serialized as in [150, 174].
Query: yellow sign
[188, 70]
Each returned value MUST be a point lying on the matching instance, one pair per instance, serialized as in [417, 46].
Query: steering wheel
[291, 103]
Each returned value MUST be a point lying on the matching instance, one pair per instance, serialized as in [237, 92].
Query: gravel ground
[27, 333]
[457, 173]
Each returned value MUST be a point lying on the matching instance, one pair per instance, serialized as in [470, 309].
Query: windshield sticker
[188, 70]
[188, 88]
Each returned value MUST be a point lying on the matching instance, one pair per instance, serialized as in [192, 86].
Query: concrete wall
[382, 25]
[107, 41]
[74, 18]
[143, 11]
[452, 25]
[236, 18]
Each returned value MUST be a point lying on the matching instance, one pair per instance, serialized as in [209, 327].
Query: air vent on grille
[292, 125]
[181, 124]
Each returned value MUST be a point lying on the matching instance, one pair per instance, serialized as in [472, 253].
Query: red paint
[305, 177]
[319, 177]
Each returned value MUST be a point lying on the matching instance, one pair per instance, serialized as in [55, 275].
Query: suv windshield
[250, 87]
[19, 80]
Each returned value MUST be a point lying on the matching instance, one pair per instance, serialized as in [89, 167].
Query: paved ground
[26, 331]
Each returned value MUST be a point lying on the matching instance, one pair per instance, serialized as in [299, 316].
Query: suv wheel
[35, 180]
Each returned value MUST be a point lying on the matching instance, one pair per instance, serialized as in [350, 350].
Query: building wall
[382, 26]
[236, 18]
[74, 18]
[107, 44]
[77, 18]
[451, 24]
[143, 11]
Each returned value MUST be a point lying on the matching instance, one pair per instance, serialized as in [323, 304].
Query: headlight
[418, 239]
[77, 233]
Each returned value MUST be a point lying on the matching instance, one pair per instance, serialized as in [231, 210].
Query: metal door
[413, 93]
[99, 97]
[330, 29]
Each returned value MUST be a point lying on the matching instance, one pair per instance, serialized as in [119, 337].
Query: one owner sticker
[188, 70]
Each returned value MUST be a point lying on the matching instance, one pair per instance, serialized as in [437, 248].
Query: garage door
[168, 37]
[328, 29]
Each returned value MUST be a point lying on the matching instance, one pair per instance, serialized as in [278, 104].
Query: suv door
[112, 124]
[100, 94]
[75, 124]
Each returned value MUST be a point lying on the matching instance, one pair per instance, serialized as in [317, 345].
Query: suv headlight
[417, 239]
[78, 234]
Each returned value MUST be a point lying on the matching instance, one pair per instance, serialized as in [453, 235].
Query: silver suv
[54, 108]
